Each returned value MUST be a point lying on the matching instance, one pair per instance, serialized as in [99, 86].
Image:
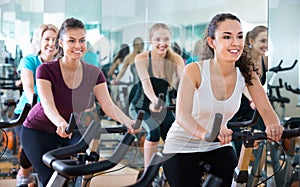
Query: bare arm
[264, 108]
[27, 79]
[180, 66]
[113, 67]
[124, 68]
[47, 101]
[141, 62]
[190, 81]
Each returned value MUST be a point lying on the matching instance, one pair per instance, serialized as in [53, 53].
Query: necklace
[72, 76]
[217, 84]
[222, 86]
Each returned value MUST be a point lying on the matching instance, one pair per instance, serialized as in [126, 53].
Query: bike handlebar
[139, 120]
[74, 116]
[279, 68]
[161, 97]
[160, 103]
[243, 124]
[293, 90]
[217, 125]
[151, 172]
[19, 120]
[70, 168]
[72, 123]
[22, 116]
[216, 128]
[250, 136]
[279, 98]
[81, 145]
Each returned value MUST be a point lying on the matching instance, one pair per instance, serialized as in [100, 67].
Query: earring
[250, 46]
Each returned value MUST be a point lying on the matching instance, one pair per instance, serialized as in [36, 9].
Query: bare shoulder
[192, 67]
[193, 72]
[178, 59]
[128, 59]
[141, 56]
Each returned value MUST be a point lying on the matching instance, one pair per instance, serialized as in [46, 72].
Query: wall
[284, 44]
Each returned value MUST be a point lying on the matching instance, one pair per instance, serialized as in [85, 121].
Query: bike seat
[292, 122]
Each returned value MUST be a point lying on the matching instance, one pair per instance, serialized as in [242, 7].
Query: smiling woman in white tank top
[213, 85]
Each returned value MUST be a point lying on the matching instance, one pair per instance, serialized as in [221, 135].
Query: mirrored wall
[284, 45]
[110, 23]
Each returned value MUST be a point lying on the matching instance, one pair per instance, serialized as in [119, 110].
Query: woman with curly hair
[214, 85]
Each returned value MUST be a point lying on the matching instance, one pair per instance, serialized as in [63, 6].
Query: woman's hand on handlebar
[129, 124]
[153, 108]
[225, 135]
[114, 82]
[274, 132]
[61, 130]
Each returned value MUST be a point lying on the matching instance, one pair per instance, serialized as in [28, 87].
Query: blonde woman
[43, 50]
[158, 70]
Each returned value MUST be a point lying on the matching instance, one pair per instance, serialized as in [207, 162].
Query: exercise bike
[80, 170]
[248, 138]
[278, 99]
[5, 140]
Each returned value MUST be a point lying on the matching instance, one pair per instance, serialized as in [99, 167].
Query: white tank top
[205, 106]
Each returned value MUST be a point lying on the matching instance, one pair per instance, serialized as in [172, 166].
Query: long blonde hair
[170, 58]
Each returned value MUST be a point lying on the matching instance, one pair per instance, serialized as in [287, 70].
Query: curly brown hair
[244, 63]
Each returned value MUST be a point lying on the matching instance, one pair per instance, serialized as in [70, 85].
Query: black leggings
[183, 169]
[36, 143]
[23, 160]
[155, 125]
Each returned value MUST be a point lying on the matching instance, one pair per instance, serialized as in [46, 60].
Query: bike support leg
[241, 171]
[258, 164]
[56, 180]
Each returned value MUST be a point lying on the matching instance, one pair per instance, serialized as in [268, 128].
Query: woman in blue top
[43, 50]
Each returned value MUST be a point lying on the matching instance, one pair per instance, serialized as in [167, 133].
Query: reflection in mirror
[284, 44]
[111, 22]
[187, 18]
